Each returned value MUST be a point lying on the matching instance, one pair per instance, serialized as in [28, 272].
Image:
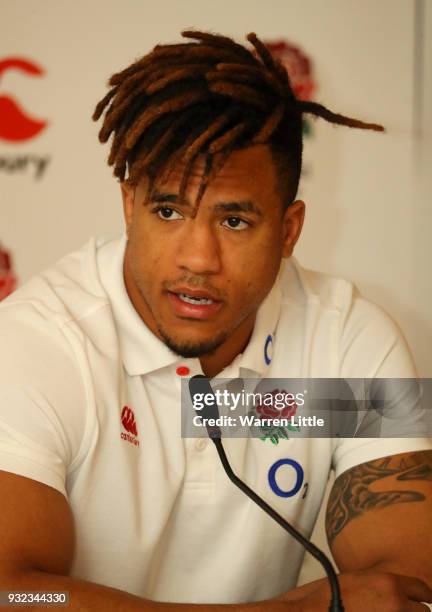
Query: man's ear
[128, 197]
[292, 226]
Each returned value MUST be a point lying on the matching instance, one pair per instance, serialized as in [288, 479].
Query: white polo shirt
[90, 405]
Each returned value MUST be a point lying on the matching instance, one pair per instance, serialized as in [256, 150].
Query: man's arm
[379, 516]
[37, 547]
[378, 524]
[36, 551]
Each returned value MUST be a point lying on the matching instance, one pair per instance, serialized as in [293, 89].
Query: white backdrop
[368, 212]
[362, 216]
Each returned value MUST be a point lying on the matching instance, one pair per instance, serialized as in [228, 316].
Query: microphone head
[200, 390]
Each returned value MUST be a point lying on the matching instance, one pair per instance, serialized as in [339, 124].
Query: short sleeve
[42, 397]
[372, 346]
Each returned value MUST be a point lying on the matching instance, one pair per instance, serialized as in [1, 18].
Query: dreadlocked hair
[206, 97]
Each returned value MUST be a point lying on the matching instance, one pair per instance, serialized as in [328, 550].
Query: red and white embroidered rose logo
[277, 405]
[275, 410]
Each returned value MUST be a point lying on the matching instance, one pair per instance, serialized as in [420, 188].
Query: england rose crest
[300, 71]
[8, 279]
[277, 405]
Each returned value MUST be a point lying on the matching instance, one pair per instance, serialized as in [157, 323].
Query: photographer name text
[253, 421]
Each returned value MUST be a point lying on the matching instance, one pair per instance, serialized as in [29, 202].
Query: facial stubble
[192, 349]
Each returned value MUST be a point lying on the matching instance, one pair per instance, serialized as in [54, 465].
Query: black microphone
[200, 384]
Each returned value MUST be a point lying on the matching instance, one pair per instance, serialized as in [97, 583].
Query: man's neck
[225, 354]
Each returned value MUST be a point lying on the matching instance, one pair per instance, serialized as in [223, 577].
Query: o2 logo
[297, 477]
[268, 349]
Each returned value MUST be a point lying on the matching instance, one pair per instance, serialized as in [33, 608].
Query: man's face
[197, 276]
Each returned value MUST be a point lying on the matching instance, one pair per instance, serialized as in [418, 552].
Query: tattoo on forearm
[351, 497]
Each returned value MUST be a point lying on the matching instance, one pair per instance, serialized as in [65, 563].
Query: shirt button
[182, 370]
[201, 444]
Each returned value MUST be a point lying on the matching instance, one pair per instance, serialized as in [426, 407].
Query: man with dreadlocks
[101, 496]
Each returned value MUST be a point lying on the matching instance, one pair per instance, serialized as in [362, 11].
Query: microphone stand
[336, 604]
[215, 435]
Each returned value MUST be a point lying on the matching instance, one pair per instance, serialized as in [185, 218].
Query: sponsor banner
[18, 126]
[280, 409]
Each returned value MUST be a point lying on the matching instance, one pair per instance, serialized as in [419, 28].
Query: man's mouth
[194, 303]
[189, 299]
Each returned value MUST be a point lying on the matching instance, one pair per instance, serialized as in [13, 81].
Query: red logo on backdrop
[299, 68]
[298, 65]
[8, 280]
[15, 124]
[128, 420]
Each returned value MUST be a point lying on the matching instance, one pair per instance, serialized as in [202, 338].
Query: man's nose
[198, 249]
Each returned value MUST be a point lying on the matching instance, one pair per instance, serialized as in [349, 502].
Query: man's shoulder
[70, 290]
[339, 303]
[302, 285]
[367, 340]
[58, 313]
[330, 292]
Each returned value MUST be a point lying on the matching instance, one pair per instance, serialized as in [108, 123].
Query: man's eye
[236, 223]
[166, 213]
